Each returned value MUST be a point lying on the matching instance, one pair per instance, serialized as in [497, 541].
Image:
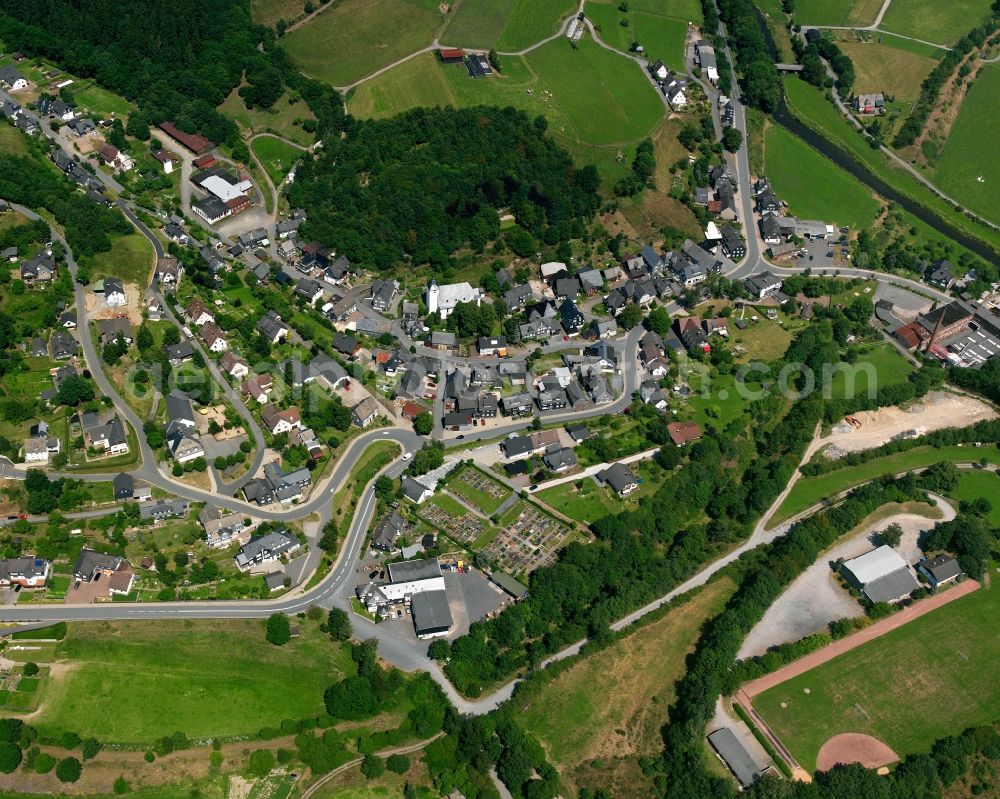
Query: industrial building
[881, 575]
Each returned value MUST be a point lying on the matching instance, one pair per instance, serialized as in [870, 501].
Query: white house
[443, 299]
[114, 292]
[234, 366]
[12, 79]
[213, 338]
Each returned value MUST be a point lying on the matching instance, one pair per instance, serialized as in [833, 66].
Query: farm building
[881, 574]
[735, 756]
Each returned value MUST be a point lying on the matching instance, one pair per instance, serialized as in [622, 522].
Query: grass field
[507, 25]
[837, 12]
[268, 12]
[12, 141]
[284, 117]
[100, 101]
[353, 38]
[960, 167]
[130, 258]
[890, 367]
[952, 654]
[810, 490]
[814, 186]
[583, 500]
[203, 678]
[597, 97]
[589, 713]
[887, 68]
[810, 105]
[934, 21]
[276, 156]
[658, 27]
[762, 341]
[980, 485]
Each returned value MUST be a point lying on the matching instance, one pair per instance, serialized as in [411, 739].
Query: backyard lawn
[202, 678]
[812, 185]
[882, 688]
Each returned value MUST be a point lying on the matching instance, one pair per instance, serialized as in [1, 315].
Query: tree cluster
[753, 57]
[426, 183]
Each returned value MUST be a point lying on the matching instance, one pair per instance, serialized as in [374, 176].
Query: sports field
[814, 186]
[658, 27]
[134, 682]
[933, 20]
[889, 69]
[810, 490]
[962, 171]
[507, 25]
[928, 679]
[589, 95]
[353, 38]
[837, 12]
[589, 715]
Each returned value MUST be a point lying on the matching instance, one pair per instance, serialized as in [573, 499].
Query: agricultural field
[659, 28]
[353, 38]
[961, 171]
[814, 186]
[885, 688]
[208, 678]
[895, 71]
[284, 118]
[507, 25]
[934, 21]
[810, 490]
[980, 484]
[837, 12]
[890, 369]
[277, 156]
[591, 722]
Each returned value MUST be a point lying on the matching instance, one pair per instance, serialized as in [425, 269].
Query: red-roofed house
[682, 433]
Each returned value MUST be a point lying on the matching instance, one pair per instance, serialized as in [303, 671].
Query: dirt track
[870, 633]
[854, 747]
[937, 410]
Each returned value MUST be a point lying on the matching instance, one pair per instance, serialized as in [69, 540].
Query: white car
[407, 456]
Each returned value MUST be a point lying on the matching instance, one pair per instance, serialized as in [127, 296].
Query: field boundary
[861, 637]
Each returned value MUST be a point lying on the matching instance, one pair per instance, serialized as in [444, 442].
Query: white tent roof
[877, 563]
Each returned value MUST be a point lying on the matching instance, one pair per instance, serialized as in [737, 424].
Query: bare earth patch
[854, 747]
[937, 410]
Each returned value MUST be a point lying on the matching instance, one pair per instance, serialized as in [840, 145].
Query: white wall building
[443, 299]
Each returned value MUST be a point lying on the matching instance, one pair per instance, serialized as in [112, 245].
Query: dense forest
[424, 184]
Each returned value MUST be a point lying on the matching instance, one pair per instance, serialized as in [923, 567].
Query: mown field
[353, 38]
[507, 25]
[659, 27]
[134, 682]
[276, 156]
[881, 362]
[810, 490]
[931, 678]
[130, 258]
[812, 185]
[962, 171]
[889, 69]
[980, 484]
[837, 12]
[592, 719]
[933, 20]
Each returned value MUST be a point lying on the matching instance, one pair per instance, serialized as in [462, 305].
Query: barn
[881, 574]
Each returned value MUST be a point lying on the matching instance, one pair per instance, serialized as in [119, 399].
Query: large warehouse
[431, 614]
[882, 575]
[411, 577]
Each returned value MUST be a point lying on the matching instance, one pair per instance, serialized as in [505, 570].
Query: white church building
[443, 299]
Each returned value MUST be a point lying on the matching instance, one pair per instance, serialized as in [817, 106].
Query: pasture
[276, 156]
[814, 186]
[934, 21]
[928, 679]
[203, 678]
[660, 31]
[810, 490]
[589, 95]
[961, 170]
[837, 12]
[284, 118]
[353, 38]
[590, 719]
[507, 25]
[888, 69]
